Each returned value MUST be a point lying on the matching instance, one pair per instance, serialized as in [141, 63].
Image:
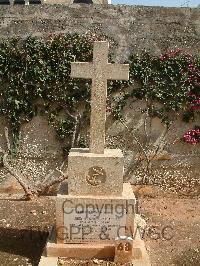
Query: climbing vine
[33, 69]
[173, 80]
[39, 69]
[170, 85]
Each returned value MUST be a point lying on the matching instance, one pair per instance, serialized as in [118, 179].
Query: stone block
[129, 250]
[83, 219]
[92, 174]
[123, 250]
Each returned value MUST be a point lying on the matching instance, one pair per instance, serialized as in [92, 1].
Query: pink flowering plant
[173, 81]
[192, 136]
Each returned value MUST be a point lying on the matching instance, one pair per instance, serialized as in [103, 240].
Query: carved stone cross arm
[118, 72]
[82, 70]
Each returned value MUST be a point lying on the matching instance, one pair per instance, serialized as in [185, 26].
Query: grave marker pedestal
[97, 207]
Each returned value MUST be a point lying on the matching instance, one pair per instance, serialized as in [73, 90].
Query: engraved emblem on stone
[96, 176]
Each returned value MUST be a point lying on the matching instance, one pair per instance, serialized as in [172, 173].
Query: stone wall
[175, 167]
[134, 29]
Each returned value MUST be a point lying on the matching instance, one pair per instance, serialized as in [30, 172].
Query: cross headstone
[95, 209]
[100, 71]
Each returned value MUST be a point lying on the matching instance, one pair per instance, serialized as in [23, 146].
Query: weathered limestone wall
[134, 29]
[174, 166]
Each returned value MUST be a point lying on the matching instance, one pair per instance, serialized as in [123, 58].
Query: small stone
[44, 212]
[61, 262]
[33, 212]
[8, 225]
[96, 261]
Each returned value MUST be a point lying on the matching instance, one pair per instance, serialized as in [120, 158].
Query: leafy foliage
[170, 84]
[33, 69]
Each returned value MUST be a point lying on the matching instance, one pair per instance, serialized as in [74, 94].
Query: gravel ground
[172, 236]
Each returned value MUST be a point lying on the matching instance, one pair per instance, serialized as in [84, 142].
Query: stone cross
[99, 71]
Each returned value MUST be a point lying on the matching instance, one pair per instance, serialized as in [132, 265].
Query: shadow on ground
[27, 243]
[190, 257]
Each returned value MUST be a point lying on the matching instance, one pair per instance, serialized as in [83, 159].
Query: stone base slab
[85, 251]
[89, 251]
